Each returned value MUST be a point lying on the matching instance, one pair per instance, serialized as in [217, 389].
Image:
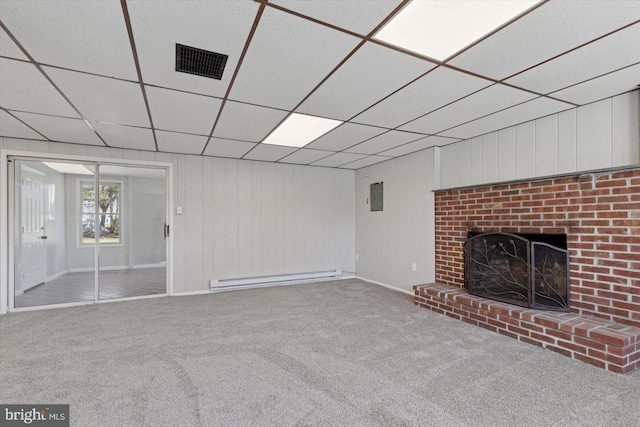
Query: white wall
[243, 218]
[388, 242]
[601, 135]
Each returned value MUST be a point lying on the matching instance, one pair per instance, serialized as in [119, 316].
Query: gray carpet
[344, 353]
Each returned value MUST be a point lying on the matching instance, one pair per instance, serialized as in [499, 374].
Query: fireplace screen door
[510, 268]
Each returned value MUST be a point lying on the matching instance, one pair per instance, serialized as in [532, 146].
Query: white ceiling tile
[219, 147]
[524, 112]
[85, 35]
[372, 73]
[438, 88]
[339, 159]
[551, 29]
[8, 48]
[344, 136]
[282, 67]
[182, 112]
[174, 142]
[384, 142]
[23, 87]
[614, 52]
[126, 136]
[269, 153]
[102, 99]
[489, 100]
[14, 128]
[61, 129]
[421, 144]
[306, 156]
[359, 16]
[367, 161]
[220, 26]
[236, 116]
[602, 87]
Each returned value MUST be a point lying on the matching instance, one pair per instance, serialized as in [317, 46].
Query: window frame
[81, 182]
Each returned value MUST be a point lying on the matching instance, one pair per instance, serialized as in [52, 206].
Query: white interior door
[33, 265]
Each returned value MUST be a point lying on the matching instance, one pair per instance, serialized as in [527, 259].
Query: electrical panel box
[376, 195]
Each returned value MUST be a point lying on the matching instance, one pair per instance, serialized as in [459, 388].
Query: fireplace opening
[529, 270]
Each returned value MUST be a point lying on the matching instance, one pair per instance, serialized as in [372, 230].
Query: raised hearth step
[599, 342]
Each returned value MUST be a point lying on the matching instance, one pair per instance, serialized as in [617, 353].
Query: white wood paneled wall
[389, 242]
[245, 219]
[601, 135]
[242, 218]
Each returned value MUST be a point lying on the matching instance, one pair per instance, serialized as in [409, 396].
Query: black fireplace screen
[510, 268]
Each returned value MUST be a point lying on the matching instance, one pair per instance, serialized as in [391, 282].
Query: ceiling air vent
[200, 62]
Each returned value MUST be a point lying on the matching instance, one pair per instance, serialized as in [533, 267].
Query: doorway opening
[87, 232]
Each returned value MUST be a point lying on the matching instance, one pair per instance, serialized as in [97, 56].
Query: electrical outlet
[356, 257]
[414, 267]
[178, 210]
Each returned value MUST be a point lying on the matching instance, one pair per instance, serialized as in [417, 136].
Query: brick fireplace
[600, 215]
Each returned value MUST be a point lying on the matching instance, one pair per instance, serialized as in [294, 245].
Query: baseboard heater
[280, 279]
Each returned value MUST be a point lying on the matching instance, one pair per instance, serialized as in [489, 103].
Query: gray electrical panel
[375, 195]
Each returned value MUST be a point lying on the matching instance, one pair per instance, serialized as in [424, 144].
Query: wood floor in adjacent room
[77, 287]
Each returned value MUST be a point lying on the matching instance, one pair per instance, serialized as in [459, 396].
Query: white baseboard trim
[115, 267]
[106, 301]
[30, 287]
[186, 294]
[91, 269]
[55, 276]
[157, 265]
[404, 291]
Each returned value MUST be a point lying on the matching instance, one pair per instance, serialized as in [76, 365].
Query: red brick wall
[600, 213]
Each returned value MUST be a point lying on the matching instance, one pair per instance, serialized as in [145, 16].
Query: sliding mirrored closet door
[132, 217]
[70, 217]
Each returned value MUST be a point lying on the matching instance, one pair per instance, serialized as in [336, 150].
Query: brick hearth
[600, 215]
[602, 343]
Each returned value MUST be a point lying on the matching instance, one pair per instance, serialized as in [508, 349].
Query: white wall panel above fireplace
[624, 132]
[601, 135]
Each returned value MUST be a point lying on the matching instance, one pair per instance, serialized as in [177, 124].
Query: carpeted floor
[343, 353]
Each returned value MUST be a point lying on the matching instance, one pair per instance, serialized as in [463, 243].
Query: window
[109, 212]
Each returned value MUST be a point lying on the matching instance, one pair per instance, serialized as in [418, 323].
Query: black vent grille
[200, 62]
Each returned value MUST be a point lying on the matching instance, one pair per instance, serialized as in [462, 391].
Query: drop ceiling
[102, 73]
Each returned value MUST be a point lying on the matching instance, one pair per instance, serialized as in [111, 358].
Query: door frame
[7, 220]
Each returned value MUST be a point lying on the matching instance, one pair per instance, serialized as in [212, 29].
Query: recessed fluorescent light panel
[69, 168]
[300, 129]
[440, 28]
